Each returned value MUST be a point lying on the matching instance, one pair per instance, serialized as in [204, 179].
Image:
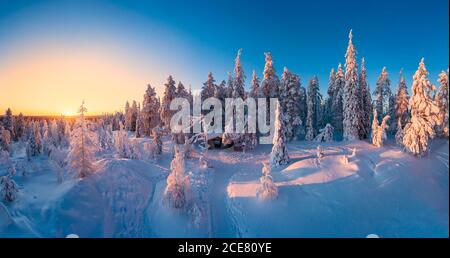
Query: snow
[381, 191]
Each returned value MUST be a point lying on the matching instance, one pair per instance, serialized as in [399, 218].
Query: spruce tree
[279, 154]
[351, 101]
[366, 101]
[169, 95]
[442, 99]
[424, 114]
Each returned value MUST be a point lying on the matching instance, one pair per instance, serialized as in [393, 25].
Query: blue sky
[190, 38]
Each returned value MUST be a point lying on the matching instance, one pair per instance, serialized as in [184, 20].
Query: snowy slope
[380, 191]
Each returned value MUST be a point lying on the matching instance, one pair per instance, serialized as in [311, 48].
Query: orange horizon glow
[54, 82]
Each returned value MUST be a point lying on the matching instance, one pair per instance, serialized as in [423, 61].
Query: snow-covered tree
[58, 162]
[366, 101]
[150, 111]
[327, 112]
[401, 102]
[19, 126]
[208, 87]
[105, 136]
[270, 83]
[255, 89]
[34, 145]
[313, 100]
[268, 189]
[176, 192]
[319, 152]
[123, 143]
[8, 122]
[5, 139]
[8, 189]
[239, 78]
[399, 134]
[279, 155]
[7, 162]
[139, 124]
[81, 152]
[169, 95]
[337, 106]
[383, 93]
[442, 99]
[424, 114]
[229, 87]
[379, 131]
[303, 111]
[128, 114]
[290, 103]
[47, 143]
[181, 91]
[255, 93]
[352, 113]
[156, 135]
[326, 134]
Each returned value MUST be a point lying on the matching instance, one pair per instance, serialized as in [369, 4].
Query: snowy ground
[380, 191]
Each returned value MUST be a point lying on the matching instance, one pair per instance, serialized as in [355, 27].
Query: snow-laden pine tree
[105, 136]
[383, 94]
[47, 143]
[290, 103]
[150, 111]
[327, 113]
[399, 134]
[169, 95]
[156, 135]
[208, 87]
[33, 147]
[81, 156]
[319, 152]
[352, 113]
[181, 91]
[268, 189]
[424, 114]
[303, 111]
[239, 78]
[401, 102]
[8, 189]
[379, 131]
[139, 124]
[54, 135]
[442, 99]
[337, 105]
[270, 83]
[229, 87]
[366, 101]
[19, 126]
[313, 101]
[7, 162]
[128, 114]
[279, 155]
[177, 189]
[123, 143]
[255, 93]
[255, 89]
[8, 122]
[326, 134]
[5, 139]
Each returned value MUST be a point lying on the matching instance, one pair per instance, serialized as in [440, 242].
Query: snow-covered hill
[381, 191]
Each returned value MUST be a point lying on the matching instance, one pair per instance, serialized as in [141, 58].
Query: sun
[68, 113]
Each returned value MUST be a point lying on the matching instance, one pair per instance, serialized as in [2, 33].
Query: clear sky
[53, 54]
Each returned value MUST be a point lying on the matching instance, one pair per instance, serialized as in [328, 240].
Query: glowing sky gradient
[53, 54]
